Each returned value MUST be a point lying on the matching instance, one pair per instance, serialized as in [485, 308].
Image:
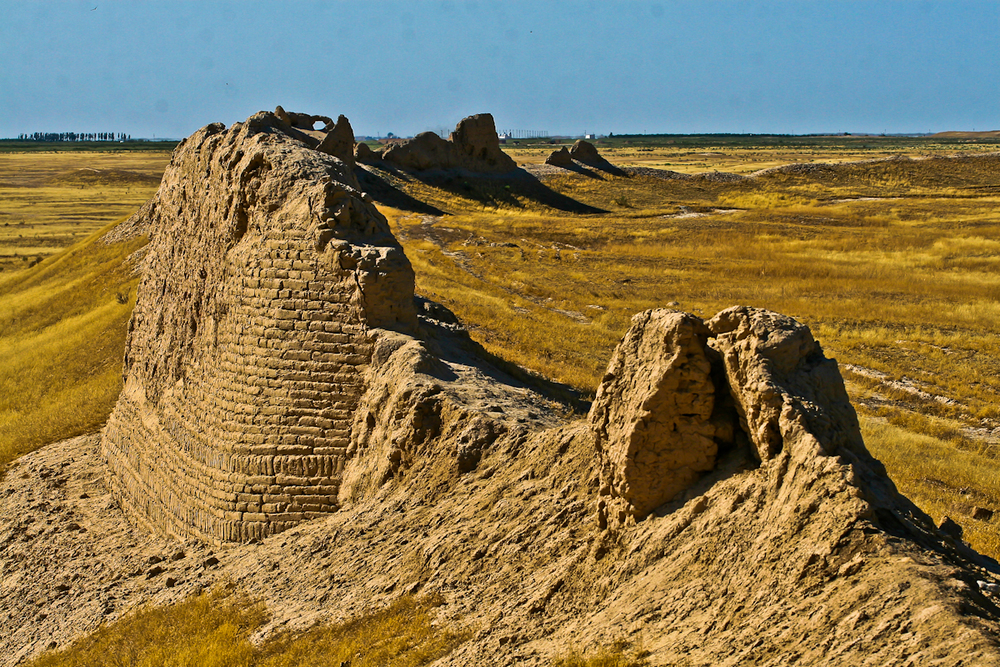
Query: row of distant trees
[76, 136]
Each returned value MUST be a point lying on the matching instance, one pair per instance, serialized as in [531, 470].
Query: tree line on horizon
[75, 136]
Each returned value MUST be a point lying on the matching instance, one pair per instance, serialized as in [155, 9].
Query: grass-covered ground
[747, 153]
[215, 630]
[62, 341]
[51, 200]
[82, 147]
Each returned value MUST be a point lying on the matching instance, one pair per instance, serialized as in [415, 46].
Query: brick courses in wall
[267, 277]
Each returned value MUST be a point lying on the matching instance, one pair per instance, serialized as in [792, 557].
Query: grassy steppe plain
[893, 265]
[62, 340]
[743, 154]
[50, 200]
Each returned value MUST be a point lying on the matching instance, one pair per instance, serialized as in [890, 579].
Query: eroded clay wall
[265, 275]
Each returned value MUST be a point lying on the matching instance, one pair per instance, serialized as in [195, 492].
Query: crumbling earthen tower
[265, 272]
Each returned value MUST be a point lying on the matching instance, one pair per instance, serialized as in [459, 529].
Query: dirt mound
[959, 171]
[266, 270]
[585, 152]
[304, 121]
[652, 417]
[476, 140]
[363, 153]
[560, 158]
[808, 556]
[474, 146]
[339, 141]
[582, 153]
[425, 151]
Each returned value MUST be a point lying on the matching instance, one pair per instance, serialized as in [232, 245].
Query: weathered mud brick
[249, 341]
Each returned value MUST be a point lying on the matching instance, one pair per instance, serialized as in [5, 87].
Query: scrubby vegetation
[215, 630]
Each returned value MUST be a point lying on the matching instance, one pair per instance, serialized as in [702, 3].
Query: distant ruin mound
[560, 158]
[303, 121]
[474, 146]
[583, 153]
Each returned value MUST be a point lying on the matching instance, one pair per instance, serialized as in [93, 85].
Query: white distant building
[590, 136]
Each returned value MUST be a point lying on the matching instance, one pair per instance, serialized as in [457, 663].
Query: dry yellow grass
[62, 339]
[214, 630]
[940, 479]
[48, 201]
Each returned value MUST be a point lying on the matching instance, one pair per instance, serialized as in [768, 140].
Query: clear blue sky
[791, 66]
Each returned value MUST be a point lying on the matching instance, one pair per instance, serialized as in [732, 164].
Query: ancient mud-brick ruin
[265, 271]
[259, 366]
[717, 506]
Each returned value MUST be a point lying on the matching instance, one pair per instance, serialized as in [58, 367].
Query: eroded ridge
[679, 391]
[266, 271]
[652, 414]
